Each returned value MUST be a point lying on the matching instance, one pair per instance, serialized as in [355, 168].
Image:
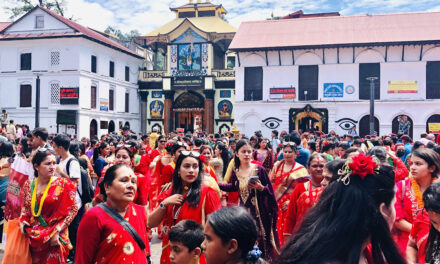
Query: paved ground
[155, 246]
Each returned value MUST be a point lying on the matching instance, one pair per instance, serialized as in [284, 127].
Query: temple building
[191, 82]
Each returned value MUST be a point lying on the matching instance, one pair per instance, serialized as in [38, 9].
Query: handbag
[17, 245]
[126, 225]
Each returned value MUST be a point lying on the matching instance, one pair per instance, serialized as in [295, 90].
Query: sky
[147, 15]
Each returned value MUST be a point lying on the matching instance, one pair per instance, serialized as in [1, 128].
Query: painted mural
[156, 109]
[225, 109]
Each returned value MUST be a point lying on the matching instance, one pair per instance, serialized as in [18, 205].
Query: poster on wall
[69, 95]
[434, 128]
[103, 104]
[156, 94]
[282, 93]
[189, 57]
[156, 109]
[403, 87]
[225, 94]
[225, 109]
[332, 90]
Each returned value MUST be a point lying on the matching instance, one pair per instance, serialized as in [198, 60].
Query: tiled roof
[338, 30]
[81, 31]
[4, 25]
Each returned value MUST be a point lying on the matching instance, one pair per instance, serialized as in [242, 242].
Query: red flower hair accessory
[203, 159]
[133, 149]
[169, 144]
[326, 143]
[359, 165]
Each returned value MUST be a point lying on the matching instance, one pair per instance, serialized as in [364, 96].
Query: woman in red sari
[102, 239]
[425, 167]
[286, 174]
[48, 207]
[187, 199]
[124, 155]
[305, 195]
[207, 152]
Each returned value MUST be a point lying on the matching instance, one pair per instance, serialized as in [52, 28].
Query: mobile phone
[253, 179]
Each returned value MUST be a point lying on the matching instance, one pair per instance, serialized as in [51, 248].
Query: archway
[111, 126]
[159, 128]
[364, 126]
[308, 119]
[188, 108]
[93, 129]
[127, 125]
[432, 124]
[403, 128]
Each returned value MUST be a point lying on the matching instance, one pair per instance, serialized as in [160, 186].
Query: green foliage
[21, 7]
[120, 35]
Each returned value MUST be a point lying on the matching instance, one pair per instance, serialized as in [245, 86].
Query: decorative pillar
[168, 111]
[208, 115]
[144, 112]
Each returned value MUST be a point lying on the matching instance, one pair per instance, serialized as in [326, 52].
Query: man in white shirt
[61, 144]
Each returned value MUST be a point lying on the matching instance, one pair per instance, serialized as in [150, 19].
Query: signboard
[69, 95]
[180, 132]
[403, 87]
[225, 94]
[187, 82]
[103, 104]
[282, 93]
[434, 128]
[333, 90]
[66, 117]
[156, 94]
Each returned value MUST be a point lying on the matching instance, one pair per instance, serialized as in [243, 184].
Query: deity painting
[156, 109]
[189, 57]
[225, 109]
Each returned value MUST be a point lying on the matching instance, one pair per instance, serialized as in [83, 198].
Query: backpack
[87, 192]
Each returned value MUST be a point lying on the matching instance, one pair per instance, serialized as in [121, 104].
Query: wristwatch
[162, 206]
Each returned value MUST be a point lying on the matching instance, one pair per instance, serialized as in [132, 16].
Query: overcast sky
[147, 15]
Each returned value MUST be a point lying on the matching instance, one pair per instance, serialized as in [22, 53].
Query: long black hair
[224, 156]
[241, 143]
[6, 150]
[235, 223]
[193, 197]
[97, 150]
[431, 199]
[345, 216]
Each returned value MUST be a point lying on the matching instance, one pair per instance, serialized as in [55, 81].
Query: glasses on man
[190, 153]
[162, 141]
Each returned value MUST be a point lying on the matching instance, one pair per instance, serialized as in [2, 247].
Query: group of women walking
[347, 208]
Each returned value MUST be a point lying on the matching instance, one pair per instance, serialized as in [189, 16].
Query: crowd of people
[221, 198]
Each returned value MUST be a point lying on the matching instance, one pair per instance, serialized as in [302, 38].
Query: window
[369, 70]
[111, 100]
[55, 93]
[54, 58]
[308, 83]
[93, 66]
[25, 61]
[127, 73]
[39, 22]
[433, 80]
[187, 14]
[93, 97]
[230, 62]
[206, 13]
[25, 95]
[127, 106]
[112, 69]
[253, 83]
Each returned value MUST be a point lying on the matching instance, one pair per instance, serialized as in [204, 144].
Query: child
[185, 242]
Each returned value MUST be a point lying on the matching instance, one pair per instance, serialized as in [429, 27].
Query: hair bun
[254, 254]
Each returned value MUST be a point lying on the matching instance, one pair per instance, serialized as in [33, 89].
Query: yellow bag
[17, 245]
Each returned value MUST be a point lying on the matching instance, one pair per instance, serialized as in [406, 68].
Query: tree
[115, 32]
[23, 6]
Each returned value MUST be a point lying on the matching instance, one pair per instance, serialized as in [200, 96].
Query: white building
[311, 73]
[88, 82]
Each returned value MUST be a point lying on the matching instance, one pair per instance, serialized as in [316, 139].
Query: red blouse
[419, 234]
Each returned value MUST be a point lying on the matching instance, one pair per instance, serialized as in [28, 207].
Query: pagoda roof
[212, 24]
[197, 5]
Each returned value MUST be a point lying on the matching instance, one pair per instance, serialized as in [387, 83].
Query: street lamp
[372, 79]
[305, 95]
[37, 102]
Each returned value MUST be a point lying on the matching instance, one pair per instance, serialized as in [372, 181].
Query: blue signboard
[225, 94]
[156, 94]
[333, 89]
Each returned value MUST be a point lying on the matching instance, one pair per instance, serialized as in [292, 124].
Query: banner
[434, 128]
[21, 170]
[403, 87]
[282, 93]
[333, 89]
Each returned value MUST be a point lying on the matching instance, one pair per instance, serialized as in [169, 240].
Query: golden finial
[235, 130]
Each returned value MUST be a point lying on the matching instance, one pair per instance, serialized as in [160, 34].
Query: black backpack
[87, 191]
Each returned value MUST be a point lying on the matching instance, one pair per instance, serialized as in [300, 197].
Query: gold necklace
[34, 198]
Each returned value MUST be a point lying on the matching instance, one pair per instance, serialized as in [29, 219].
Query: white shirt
[75, 173]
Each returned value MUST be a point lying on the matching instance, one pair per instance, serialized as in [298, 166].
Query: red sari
[101, 239]
[209, 203]
[406, 209]
[285, 183]
[419, 234]
[302, 199]
[59, 207]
